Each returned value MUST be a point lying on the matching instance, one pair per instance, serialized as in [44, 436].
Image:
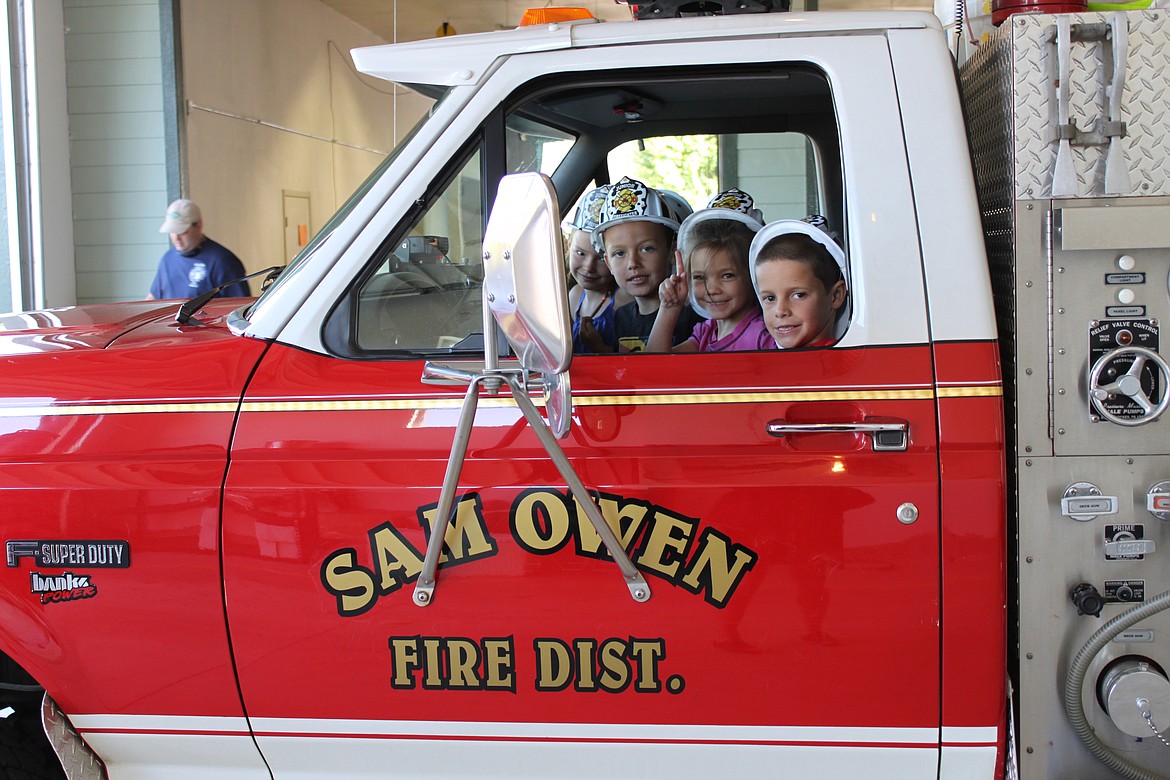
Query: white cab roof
[462, 59]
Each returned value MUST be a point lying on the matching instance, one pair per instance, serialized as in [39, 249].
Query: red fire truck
[381, 522]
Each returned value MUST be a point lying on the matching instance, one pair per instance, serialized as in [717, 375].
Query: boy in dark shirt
[637, 235]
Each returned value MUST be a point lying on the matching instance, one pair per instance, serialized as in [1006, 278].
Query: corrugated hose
[1074, 684]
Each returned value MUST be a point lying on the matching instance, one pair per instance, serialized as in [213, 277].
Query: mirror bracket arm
[516, 380]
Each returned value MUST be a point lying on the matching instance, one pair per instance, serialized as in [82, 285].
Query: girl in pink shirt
[712, 271]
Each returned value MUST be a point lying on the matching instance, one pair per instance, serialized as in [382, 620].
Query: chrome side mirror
[524, 286]
[524, 276]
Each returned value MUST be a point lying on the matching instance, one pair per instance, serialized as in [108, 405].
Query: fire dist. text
[586, 664]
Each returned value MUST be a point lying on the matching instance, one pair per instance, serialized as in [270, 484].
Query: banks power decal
[54, 588]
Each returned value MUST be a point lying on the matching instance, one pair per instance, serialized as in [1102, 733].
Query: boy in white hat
[800, 274]
[637, 235]
[194, 263]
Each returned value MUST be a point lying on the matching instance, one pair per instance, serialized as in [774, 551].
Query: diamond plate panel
[1145, 103]
[77, 759]
[985, 83]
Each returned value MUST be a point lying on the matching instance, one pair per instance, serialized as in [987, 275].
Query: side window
[779, 169]
[533, 146]
[425, 293]
[776, 176]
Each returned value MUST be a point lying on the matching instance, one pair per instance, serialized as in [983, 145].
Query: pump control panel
[1127, 385]
[1094, 473]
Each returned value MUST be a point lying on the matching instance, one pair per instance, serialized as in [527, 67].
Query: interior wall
[273, 104]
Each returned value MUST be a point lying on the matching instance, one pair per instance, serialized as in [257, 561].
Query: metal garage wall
[117, 151]
[271, 105]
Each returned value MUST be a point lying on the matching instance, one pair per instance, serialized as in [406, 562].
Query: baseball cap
[181, 215]
[632, 201]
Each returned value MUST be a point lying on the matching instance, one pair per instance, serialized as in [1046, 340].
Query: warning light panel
[534, 16]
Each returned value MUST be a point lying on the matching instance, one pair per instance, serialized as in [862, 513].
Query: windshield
[437, 95]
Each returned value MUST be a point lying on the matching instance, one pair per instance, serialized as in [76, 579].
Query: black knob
[1124, 593]
[1087, 600]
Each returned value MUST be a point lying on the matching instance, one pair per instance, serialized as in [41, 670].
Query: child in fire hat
[799, 274]
[595, 296]
[712, 271]
[637, 235]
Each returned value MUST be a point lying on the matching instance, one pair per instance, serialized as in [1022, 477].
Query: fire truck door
[782, 506]
[794, 607]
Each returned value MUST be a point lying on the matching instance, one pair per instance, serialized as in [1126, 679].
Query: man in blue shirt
[194, 263]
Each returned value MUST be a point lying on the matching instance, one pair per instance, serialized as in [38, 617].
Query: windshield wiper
[187, 310]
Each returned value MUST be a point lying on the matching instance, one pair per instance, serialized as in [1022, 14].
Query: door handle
[888, 434]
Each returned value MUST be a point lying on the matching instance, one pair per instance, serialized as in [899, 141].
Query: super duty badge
[72, 553]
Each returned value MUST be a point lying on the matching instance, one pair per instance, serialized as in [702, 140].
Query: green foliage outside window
[689, 165]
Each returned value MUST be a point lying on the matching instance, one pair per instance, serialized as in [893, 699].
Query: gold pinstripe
[985, 391]
[81, 410]
[671, 399]
[648, 399]
[392, 404]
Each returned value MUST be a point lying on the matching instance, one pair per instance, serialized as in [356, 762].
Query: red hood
[91, 327]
